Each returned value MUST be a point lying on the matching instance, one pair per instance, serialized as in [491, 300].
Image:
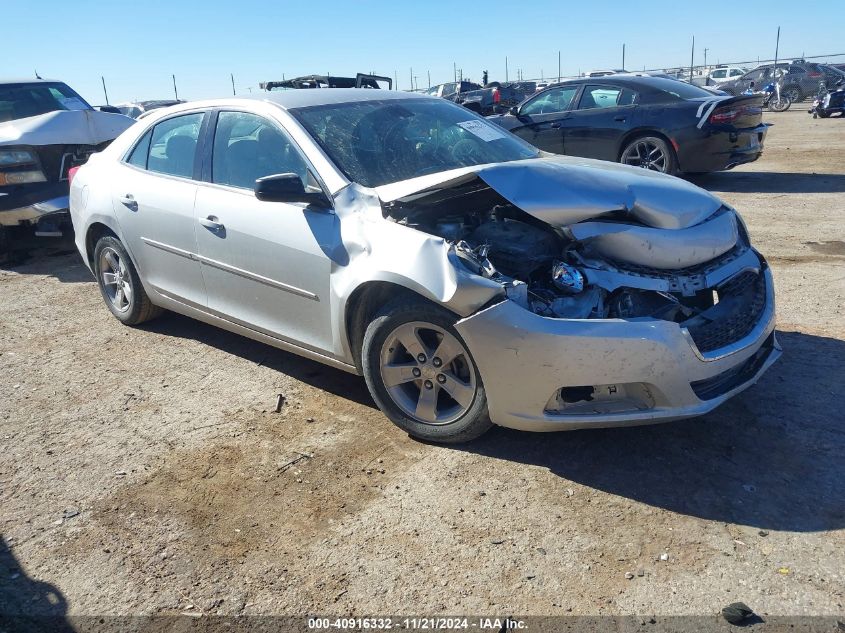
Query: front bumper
[28, 207]
[653, 366]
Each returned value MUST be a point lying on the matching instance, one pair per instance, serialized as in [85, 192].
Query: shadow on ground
[26, 604]
[61, 262]
[770, 458]
[335, 381]
[770, 182]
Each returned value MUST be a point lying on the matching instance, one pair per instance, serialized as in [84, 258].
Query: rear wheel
[421, 374]
[649, 152]
[120, 285]
[794, 93]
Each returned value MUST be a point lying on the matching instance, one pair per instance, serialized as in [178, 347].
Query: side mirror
[514, 111]
[288, 188]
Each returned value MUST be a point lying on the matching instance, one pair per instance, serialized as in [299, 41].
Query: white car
[725, 73]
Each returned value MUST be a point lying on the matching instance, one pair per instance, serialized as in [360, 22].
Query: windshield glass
[379, 142]
[18, 101]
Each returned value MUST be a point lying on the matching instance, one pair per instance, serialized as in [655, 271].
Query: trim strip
[231, 269]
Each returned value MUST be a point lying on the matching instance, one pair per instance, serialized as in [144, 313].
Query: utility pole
[105, 92]
[506, 67]
[232, 75]
[691, 58]
[412, 77]
[395, 80]
[175, 92]
[623, 55]
[558, 66]
[455, 71]
[429, 78]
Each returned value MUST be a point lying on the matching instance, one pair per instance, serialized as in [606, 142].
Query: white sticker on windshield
[483, 130]
[72, 103]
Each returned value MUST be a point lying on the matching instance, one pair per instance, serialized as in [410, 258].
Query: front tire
[650, 152]
[421, 374]
[120, 285]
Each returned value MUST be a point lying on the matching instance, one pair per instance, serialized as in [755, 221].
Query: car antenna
[37, 76]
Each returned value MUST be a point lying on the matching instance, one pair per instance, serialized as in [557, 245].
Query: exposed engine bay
[553, 272]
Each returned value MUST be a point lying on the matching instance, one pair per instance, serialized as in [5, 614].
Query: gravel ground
[145, 471]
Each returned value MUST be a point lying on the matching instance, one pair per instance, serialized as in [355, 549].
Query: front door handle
[555, 125]
[212, 223]
[129, 201]
[620, 118]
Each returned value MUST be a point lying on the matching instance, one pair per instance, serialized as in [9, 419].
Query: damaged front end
[36, 156]
[586, 241]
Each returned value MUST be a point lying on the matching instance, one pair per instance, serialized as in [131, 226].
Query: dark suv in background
[801, 79]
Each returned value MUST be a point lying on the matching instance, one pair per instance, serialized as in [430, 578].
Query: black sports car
[651, 122]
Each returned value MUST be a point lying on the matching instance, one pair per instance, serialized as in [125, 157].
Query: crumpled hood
[563, 190]
[67, 127]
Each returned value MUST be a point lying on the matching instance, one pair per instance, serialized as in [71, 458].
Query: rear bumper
[642, 371]
[723, 149]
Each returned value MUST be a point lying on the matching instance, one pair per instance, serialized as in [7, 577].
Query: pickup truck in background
[497, 97]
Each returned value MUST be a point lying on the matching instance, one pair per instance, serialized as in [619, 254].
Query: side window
[173, 145]
[248, 147]
[719, 74]
[551, 101]
[599, 97]
[736, 72]
[138, 157]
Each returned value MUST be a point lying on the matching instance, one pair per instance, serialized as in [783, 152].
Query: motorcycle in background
[773, 99]
[829, 102]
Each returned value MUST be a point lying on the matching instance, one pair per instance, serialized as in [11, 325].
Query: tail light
[497, 97]
[729, 114]
[814, 74]
[71, 173]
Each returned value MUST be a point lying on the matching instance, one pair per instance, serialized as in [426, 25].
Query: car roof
[30, 80]
[303, 98]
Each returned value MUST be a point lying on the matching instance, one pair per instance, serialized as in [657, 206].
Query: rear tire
[431, 398]
[794, 93]
[650, 152]
[120, 285]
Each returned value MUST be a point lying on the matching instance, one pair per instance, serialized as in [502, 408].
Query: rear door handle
[212, 223]
[129, 201]
[621, 118]
[555, 125]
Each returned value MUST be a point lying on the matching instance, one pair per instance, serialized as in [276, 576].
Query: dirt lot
[145, 470]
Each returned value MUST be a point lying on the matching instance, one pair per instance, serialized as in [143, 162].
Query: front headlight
[16, 157]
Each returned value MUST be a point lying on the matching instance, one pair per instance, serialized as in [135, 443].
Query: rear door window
[600, 97]
[173, 145]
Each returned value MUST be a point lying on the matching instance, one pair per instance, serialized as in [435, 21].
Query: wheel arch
[95, 231]
[646, 131]
[363, 305]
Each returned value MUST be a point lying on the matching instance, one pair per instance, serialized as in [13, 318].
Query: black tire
[671, 161]
[139, 308]
[794, 93]
[822, 114]
[472, 422]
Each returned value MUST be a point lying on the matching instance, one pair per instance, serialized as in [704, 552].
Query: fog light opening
[571, 395]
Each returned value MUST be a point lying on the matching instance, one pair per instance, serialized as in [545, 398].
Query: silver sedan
[469, 277]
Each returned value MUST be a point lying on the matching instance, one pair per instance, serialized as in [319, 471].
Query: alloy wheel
[428, 373]
[646, 154]
[115, 279]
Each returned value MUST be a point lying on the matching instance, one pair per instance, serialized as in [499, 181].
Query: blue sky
[136, 46]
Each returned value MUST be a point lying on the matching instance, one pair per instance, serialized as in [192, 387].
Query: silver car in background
[469, 277]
